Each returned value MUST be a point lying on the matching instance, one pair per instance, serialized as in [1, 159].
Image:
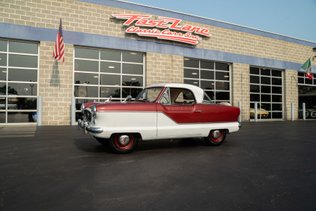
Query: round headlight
[82, 107]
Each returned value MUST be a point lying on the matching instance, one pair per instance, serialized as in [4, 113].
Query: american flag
[59, 46]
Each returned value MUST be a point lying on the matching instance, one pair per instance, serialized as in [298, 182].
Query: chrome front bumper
[86, 128]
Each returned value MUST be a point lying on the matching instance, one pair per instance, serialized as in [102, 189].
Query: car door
[176, 113]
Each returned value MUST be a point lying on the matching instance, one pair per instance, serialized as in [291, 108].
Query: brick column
[55, 85]
[241, 88]
[290, 94]
[163, 68]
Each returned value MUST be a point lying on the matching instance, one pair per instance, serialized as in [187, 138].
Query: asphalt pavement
[264, 166]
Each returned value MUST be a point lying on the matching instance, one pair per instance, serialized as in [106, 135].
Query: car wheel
[103, 141]
[123, 143]
[216, 137]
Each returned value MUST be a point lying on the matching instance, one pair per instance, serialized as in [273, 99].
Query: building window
[266, 89]
[100, 74]
[18, 81]
[307, 95]
[212, 77]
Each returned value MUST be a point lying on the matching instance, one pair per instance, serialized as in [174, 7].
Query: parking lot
[265, 166]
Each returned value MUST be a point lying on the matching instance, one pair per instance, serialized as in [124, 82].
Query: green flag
[307, 68]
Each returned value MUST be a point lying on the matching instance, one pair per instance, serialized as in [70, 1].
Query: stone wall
[290, 94]
[163, 68]
[55, 85]
[241, 89]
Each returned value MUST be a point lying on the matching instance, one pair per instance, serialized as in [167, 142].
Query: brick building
[235, 64]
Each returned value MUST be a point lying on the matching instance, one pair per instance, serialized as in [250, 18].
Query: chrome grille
[87, 116]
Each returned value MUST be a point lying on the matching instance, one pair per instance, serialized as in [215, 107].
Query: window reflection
[22, 61]
[222, 95]
[86, 53]
[82, 65]
[22, 75]
[266, 89]
[265, 80]
[23, 47]
[191, 73]
[193, 82]
[107, 79]
[220, 85]
[276, 73]
[86, 91]
[276, 81]
[19, 103]
[86, 78]
[2, 117]
[3, 45]
[265, 72]
[22, 89]
[212, 76]
[191, 63]
[110, 67]
[222, 76]
[20, 117]
[221, 66]
[3, 74]
[207, 84]
[3, 59]
[254, 88]
[254, 79]
[277, 115]
[277, 90]
[254, 70]
[3, 88]
[132, 57]
[19, 79]
[132, 81]
[207, 65]
[207, 74]
[2, 103]
[114, 92]
[111, 55]
[130, 91]
[133, 69]
[113, 70]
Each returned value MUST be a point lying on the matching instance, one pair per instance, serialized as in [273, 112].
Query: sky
[293, 18]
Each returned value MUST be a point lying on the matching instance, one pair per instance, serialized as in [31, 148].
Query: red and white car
[160, 111]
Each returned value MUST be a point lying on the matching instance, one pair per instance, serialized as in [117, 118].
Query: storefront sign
[162, 28]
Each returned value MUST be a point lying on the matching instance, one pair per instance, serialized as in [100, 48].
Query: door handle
[198, 111]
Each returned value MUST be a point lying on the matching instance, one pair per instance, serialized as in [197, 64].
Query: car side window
[181, 96]
[165, 98]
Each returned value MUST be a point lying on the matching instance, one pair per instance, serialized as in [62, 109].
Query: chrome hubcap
[124, 140]
[216, 133]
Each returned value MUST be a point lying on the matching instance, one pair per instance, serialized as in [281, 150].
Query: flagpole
[314, 57]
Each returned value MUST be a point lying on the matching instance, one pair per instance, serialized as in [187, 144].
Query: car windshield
[149, 94]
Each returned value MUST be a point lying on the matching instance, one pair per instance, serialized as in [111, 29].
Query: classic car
[261, 113]
[160, 111]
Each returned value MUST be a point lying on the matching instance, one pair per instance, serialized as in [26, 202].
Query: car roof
[197, 91]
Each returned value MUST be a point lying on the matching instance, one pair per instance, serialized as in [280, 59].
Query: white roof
[197, 91]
